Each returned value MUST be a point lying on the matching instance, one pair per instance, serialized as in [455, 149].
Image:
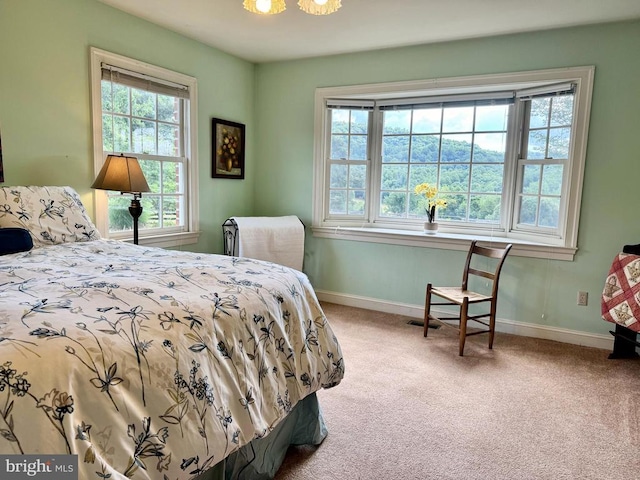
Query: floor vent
[420, 323]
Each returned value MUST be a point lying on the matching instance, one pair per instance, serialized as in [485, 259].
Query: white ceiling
[365, 24]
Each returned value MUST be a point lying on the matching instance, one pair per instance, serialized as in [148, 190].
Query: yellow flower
[430, 192]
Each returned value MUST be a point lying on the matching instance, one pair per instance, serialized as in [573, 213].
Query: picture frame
[1, 167]
[227, 152]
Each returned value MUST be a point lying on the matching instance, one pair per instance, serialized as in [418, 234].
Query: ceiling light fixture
[265, 7]
[319, 7]
[271, 7]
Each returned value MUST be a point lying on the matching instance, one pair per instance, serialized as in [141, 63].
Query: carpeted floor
[411, 408]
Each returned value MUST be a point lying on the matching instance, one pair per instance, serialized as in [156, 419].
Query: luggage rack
[230, 236]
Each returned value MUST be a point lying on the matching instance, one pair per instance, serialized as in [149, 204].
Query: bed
[149, 363]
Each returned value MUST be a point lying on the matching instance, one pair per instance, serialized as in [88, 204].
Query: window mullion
[375, 165]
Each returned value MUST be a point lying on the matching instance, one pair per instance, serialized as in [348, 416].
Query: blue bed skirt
[261, 459]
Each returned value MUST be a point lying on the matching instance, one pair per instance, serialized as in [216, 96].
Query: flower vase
[430, 228]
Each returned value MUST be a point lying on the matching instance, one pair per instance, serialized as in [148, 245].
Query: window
[506, 151]
[144, 111]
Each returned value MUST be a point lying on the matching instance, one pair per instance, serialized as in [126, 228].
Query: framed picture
[227, 159]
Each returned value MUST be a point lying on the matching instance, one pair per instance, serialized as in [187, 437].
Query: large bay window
[147, 112]
[506, 151]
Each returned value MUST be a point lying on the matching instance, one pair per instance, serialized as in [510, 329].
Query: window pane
[356, 202]
[454, 178]
[397, 121]
[456, 209]
[456, 148]
[107, 133]
[359, 121]
[151, 170]
[121, 99]
[338, 176]
[489, 147]
[358, 147]
[339, 121]
[427, 120]
[339, 146]
[107, 104]
[422, 174]
[457, 119]
[357, 176]
[528, 210]
[537, 146]
[151, 212]
[393, 204]
[168, 108]
[338, 202]
[492, 118]
[171, 175]
[394, 177]
[531, 179]
[562, 110]
[552, 179]
[143, 104]
[143, 136]
[395, 149]
[539, 112]
[487, 178]
[559, 142]
[484, 208]
[425, 148]
[119, 217]
[171, 212]
[549, 212]
[168, 140]
[121, 132]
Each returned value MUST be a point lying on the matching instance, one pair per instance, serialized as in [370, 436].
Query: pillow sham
[52, 215]
[14, 240]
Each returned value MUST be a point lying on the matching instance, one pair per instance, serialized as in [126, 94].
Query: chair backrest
[491, 252]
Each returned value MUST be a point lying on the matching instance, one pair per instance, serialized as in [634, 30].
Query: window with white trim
[506, 152]
[145, 111]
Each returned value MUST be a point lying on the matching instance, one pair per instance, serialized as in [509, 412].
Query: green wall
[537, 291]
[45, 120]
[45, 111]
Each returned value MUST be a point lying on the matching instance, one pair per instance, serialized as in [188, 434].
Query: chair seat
[457, 294]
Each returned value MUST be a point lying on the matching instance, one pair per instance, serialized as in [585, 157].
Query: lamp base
[135, 209]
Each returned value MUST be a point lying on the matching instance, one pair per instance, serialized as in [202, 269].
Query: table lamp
[123, 174]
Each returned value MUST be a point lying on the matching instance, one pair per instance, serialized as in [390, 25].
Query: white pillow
[52, 215]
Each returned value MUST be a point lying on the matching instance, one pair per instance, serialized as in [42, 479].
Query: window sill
[164, 241]
[448, 241]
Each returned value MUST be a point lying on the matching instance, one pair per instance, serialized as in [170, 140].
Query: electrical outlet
[583, 298]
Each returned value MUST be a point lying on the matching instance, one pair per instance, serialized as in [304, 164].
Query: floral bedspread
[621, 295]
[151, 363]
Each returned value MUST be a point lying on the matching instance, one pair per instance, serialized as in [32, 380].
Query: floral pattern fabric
[52, 215]
[150, 363]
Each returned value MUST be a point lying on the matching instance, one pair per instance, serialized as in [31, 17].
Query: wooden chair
[462, 297]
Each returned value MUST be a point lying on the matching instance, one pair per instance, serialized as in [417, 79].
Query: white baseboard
[506, 326]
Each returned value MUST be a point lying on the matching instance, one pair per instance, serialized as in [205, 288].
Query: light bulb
[319, 2]
[263, 5]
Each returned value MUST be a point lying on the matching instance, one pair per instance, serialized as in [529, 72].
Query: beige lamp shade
[121, 174]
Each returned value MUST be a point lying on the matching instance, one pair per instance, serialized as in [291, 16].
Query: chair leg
[427, 309]
[464, 310]
[492, 323]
